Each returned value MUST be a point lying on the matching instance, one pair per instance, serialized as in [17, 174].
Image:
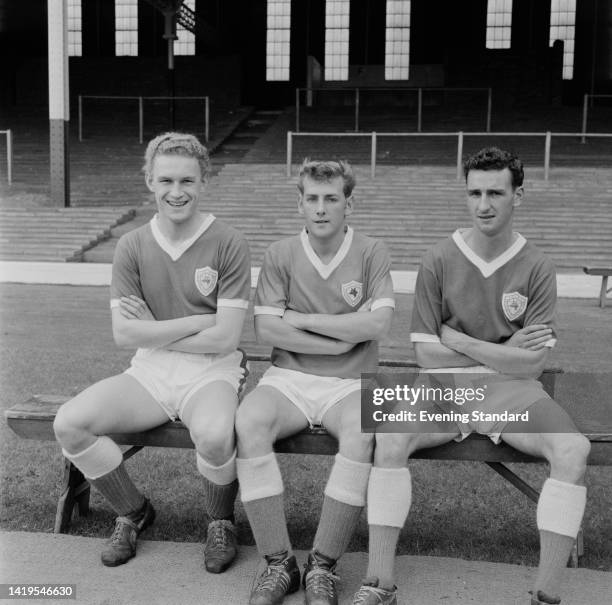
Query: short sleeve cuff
[235, 303]
[269, 311]
[420, 337]
[382, 302]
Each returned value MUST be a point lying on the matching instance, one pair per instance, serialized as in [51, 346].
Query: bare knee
[71, 432]
[214, 441]
[568, 457]
[254, 427]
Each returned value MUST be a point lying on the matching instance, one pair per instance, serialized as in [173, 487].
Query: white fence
[374, 136]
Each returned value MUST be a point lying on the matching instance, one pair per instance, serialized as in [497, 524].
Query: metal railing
[585, 112]
[418, 91]
[374, 136]
[141, 100]
[9, 154]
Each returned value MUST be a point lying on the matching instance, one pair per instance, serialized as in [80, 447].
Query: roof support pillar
[59, 107]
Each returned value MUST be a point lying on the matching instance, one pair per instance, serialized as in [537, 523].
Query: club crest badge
[205, 280]
[352, 292]
[513, 304]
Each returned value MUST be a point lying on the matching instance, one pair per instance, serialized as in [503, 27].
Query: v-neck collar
[175, 252]
[322, 269]
[487, 268]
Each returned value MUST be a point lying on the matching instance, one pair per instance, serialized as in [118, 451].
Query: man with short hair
[323, 299]
[485, 303]
[179, 293]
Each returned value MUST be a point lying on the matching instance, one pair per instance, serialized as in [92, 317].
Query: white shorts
[504, 394]
[313, 395]
[172, 377]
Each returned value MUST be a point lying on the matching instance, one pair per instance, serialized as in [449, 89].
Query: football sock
[389, 499]
[344, 500]
[100, 458]
[220, 499]
[120, 491]
[220, 487]
[559, 515]
[102, 465]
[381, 560]
[555, 550]
[261, 488]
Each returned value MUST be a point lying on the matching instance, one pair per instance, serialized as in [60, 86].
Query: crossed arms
[134, 326]
[323, 334]
[523, 354]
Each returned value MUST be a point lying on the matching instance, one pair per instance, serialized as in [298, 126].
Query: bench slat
[597, 271]
[34, 420]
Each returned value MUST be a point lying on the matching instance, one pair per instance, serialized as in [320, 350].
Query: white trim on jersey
[326, 270]
[236, 303]
[382, 302]
[488, 268]
[422, 337]
[260, 310]
[175, 252]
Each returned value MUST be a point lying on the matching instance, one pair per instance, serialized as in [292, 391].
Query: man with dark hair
[485, 304]
[324, 297]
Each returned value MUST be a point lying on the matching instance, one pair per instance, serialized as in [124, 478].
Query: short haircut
[177, 143]
[493, 158]
[326, 171]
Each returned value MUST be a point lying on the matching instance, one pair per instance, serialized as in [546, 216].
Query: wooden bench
[604, 273]
[34, 420]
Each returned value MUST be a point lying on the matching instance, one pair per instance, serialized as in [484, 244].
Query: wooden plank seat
[33, 419]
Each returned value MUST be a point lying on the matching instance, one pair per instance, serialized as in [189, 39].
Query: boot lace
[218, 535]
[272, 578]
[321, 582]
[364, 592]
[121, 523]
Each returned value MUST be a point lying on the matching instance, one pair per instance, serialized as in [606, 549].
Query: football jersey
[212, 269]
[489, 301]
[293, 277]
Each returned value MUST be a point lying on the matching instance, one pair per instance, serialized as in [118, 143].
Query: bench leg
[75, 490]
[603, 291]
[513, 478]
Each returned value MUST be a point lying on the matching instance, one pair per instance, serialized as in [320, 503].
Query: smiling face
[324, 208]
[491, 201]
[176, 181]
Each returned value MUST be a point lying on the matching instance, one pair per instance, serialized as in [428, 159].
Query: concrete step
[55, 234]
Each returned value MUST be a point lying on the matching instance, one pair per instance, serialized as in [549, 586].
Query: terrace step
[56, 234]
[408, 213]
